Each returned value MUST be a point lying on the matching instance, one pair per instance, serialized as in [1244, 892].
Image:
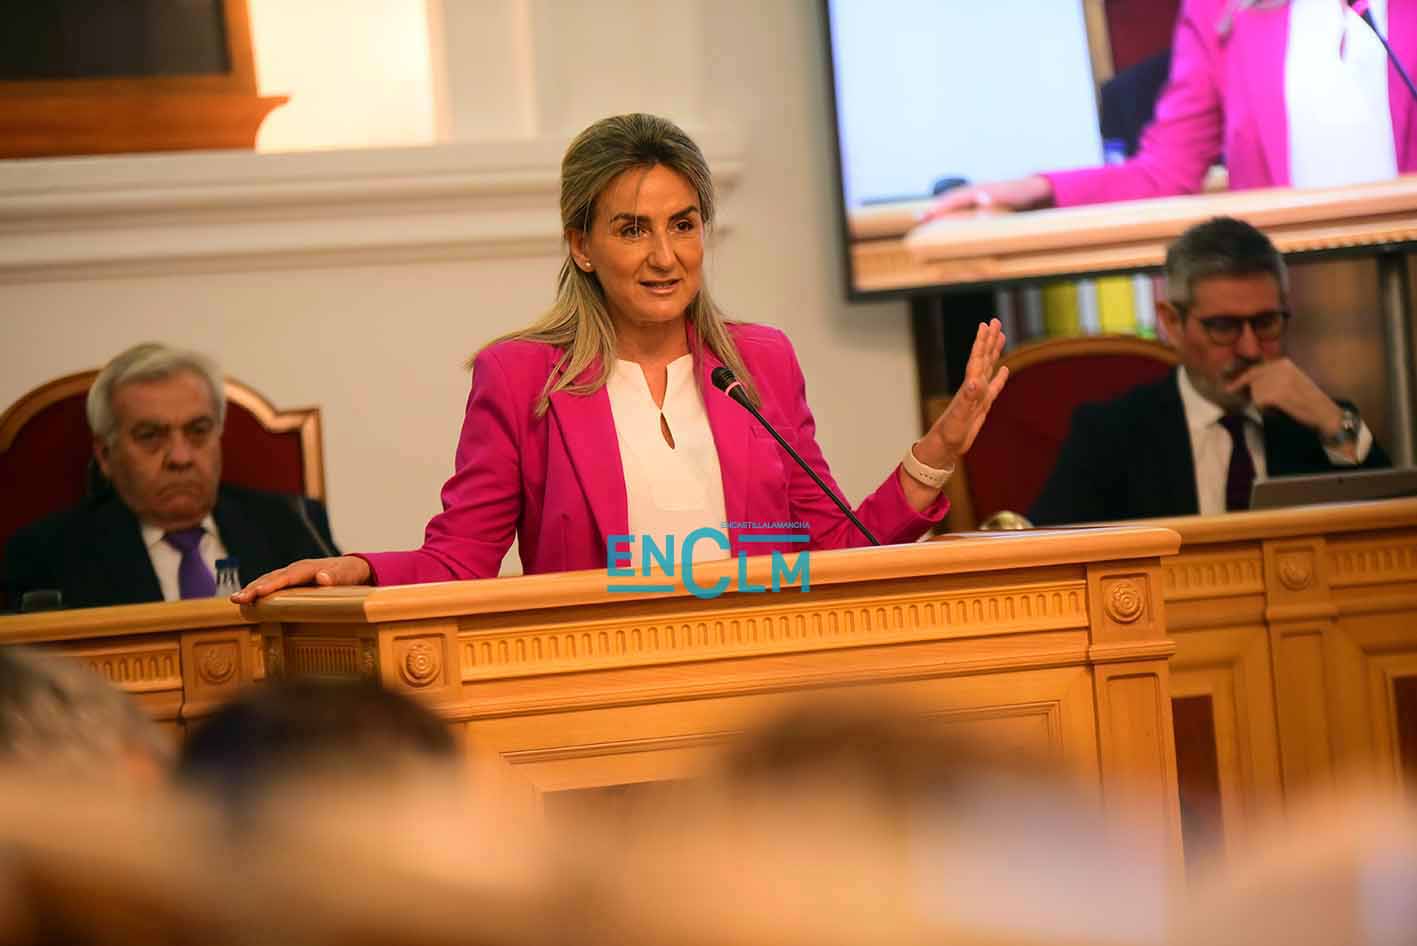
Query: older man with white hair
[156, 414]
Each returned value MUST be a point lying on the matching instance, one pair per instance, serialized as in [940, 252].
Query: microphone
[1360, 7]
[725, 380]
[297, 504]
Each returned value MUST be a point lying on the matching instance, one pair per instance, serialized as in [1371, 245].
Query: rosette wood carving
[217, 663]
[1125, 601]
[422, 662]
[1296, 570]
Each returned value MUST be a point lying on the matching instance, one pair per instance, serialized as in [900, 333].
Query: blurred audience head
[286, 735]
[156, 414]
[57, 714]
[1227, 305]
[848, 821]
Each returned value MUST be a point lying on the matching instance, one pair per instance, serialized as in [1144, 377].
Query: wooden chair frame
[963, 517]
[306, 420]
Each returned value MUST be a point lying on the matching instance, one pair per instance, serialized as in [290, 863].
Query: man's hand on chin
[1281, 385]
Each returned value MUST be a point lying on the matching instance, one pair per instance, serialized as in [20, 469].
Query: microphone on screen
[726, 381]
[1360, 7]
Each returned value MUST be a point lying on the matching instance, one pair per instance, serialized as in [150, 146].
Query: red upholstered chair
[1019, 443]
[45, 447]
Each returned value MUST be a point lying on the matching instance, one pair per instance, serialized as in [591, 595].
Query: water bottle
[1114, 151]
[228, 577]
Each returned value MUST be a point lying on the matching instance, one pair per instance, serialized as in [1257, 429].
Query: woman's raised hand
[953, 433]
[344, 570]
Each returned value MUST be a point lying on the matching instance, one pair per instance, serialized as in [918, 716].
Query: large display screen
[932, 98]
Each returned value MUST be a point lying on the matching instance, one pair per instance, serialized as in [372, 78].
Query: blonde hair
[578, 322]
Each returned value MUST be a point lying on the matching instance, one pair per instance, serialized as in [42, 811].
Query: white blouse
[670, 491]
[1336, 96]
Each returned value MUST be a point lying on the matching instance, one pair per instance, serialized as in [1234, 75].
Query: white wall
[360, 281]
[359, 73]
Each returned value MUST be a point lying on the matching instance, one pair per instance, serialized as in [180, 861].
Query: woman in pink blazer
[1225, 98]
[537, 458]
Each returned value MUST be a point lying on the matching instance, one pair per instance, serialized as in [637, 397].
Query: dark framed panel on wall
[95, 77]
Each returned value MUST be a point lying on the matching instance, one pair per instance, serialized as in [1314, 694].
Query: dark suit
[1130, 458]
[94, 553]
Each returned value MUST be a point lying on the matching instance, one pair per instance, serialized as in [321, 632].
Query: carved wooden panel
[1302, 697]
[1192, 576]
[1392, 694]
[792, 624]
[310, 656]
[1404, 703]
[216, 665]
[1230, 669]
[1138, 752]
[1126, 604]
[1043, 714]
[1373, 561]
[1198, 776]
[135, 668]
[419, 661]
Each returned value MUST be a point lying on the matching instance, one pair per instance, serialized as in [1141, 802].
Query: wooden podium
[1052, 643]
[1291, 636]
[1296, 658]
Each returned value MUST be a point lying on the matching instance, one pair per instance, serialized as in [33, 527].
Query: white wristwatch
[927, 475]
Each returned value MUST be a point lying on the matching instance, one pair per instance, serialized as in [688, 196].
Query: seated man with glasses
[155, 527]
[1236, 410]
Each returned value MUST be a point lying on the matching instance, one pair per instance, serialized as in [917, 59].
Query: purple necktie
[194, 579]
[1241, 475]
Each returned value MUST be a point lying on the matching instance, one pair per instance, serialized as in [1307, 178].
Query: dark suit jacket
[1130, 458]
[94, 552]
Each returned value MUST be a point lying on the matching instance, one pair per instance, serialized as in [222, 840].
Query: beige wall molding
[211, 212]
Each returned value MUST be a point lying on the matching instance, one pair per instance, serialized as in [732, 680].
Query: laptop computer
[1333, 488]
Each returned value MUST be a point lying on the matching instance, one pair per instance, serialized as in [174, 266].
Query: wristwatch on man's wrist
[1348, 424]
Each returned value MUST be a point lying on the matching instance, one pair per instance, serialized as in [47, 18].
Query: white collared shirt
[1336, 96]
[1211, 445]
[669, 491]
[167, 560]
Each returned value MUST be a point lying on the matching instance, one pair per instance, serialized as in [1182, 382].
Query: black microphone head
[726, 381]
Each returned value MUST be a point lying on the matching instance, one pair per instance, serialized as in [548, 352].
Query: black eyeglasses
[1227, 329]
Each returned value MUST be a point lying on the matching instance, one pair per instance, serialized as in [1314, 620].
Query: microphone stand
[1360, 7]
[731, 386]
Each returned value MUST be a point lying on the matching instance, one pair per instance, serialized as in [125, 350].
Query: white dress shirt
[670, 491]
[167, 560]
[1211, 445]
[1336, 96]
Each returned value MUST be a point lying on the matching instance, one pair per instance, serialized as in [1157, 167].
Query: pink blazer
[556, 483]
[1225, 96]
